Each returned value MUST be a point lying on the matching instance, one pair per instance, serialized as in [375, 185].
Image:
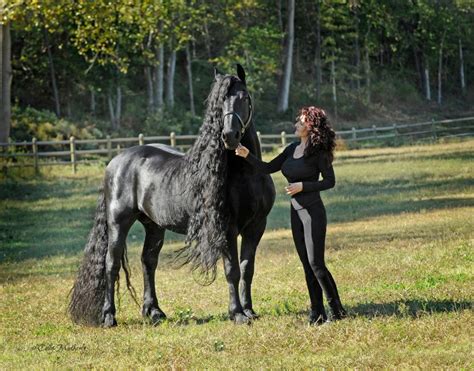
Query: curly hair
[206, 239]
[322, 137]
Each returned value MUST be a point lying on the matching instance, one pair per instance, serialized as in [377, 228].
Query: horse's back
[146, 180]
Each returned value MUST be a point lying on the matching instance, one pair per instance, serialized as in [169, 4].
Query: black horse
[209, 194]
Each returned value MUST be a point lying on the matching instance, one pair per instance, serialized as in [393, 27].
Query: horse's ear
[241, 73]
[217, 74]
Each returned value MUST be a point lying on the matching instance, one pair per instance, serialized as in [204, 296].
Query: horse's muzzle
[231, 139]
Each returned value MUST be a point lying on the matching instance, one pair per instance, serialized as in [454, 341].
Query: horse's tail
[88, 292]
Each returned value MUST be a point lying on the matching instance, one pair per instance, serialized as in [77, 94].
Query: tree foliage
[372, 52]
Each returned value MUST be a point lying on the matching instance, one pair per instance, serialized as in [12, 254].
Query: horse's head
[237, 110]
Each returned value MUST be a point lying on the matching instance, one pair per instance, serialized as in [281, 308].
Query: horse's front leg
[250, 239]
[232, 274]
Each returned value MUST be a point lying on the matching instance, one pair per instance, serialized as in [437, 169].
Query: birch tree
[285, 81]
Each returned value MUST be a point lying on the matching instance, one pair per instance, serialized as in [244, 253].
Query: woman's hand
[294, 188]
[242, 151]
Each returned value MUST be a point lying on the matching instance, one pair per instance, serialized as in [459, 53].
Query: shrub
[44, 125]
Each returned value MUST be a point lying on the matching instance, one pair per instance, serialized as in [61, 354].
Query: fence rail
[79, 151]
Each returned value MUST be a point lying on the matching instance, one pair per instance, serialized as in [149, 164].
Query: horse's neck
[237, 165]
[250, 140]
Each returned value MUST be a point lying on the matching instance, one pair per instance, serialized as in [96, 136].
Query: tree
[5, 81]
[284, 86]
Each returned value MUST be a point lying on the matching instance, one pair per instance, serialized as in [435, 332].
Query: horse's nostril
[237, 135]
[224, 136]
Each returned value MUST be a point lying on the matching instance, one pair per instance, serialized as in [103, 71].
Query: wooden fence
[76, 151]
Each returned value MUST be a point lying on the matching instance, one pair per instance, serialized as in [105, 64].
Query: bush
[44, 125]
[166, 121]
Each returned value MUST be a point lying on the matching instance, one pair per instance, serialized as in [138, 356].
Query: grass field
[400, 246]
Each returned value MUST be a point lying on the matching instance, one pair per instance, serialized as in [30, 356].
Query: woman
[301, 162]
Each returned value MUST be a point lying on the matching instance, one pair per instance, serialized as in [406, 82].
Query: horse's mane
[206, 175]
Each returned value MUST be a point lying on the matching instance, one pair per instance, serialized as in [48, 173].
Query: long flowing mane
[206, 174]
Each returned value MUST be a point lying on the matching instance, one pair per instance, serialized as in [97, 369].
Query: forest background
[96, 68]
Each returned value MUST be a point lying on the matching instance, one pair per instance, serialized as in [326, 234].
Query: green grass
[400, 245]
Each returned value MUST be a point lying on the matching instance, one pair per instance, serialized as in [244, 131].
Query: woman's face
[301, 131]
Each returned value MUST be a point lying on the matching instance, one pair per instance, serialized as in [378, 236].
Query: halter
[243, 125]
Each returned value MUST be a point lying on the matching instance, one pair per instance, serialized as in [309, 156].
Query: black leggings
[309, 234]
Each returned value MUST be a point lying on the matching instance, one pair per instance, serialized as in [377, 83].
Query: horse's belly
[168, 213]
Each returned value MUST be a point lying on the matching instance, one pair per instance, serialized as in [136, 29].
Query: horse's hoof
[316, 318]
[241, 319]
[250, 314]
[157, 316]
[109, 321]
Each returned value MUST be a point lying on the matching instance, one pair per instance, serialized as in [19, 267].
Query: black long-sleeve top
[302, 169]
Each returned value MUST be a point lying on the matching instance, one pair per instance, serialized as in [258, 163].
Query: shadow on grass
[464, 155]
[27, 233]
[42, 189]
[400, 309]
[408, 308]
[179, 320]
[359, 200]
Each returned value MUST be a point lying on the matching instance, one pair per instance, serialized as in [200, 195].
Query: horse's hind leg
[117, 235]
[250, 239]
[151, 250]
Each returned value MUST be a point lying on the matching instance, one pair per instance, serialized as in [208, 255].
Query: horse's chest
[251, 198]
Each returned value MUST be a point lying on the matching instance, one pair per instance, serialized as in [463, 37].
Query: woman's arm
[327, 172]
[263, 167]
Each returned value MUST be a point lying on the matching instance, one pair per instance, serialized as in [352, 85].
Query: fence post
[141, 139]
[35, 155]
[283, 139]
[72, 142]
[173, 139]
[374, 129]
[259, 136]
[354, 133]
[109, 147]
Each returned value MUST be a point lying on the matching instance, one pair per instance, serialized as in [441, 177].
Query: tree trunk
[170, 78]
[427, 83]
[279, 17]
[159, 77]
[334, 87]
[440, 66]
[118, 107]
[190, 81]
[367, 69]
[68, 98]
[284, 92]
[149, 88]
[461, 68]
[419, 68]
[207, 40]
[5, 82]
[357, 52]
[93, 102]
[115, 110]
[317, 60]
[110, 101]
[57, 104]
